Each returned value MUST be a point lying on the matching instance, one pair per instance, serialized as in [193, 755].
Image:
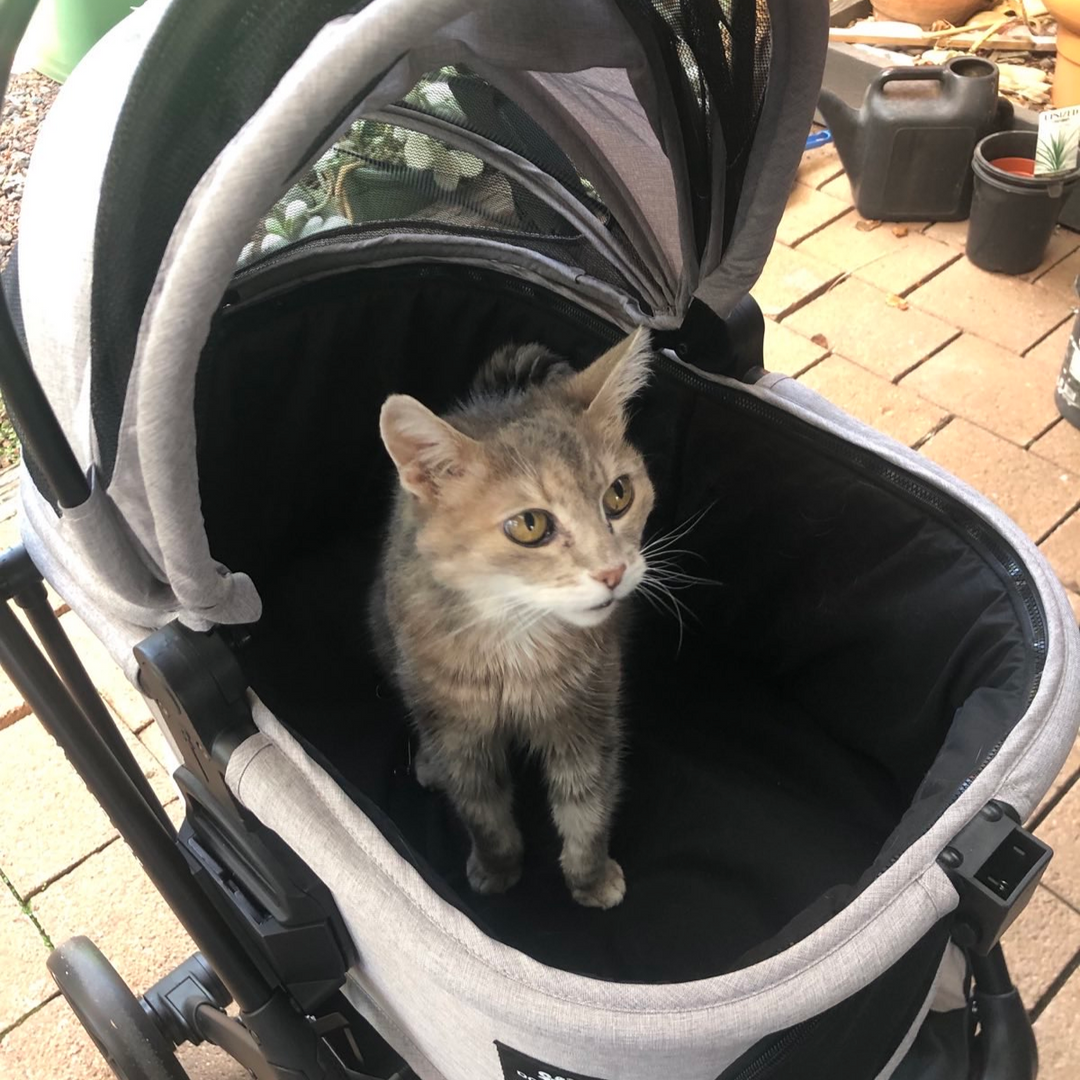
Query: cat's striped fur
[493, 643]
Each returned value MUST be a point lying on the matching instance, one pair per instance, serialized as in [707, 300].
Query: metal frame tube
[35, 602]
[129, 811]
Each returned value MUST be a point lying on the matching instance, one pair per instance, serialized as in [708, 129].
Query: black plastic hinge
[994, 864]
[733, 347]
[201, 693]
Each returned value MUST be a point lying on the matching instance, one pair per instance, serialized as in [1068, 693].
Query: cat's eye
[618, 497]
[530, 527]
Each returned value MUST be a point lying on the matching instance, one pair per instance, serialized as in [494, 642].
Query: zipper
[777, 1051]
[942, 505]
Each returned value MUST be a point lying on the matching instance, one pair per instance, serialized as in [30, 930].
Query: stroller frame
[268, 933]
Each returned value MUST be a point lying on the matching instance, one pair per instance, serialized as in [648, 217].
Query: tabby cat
[499, 608]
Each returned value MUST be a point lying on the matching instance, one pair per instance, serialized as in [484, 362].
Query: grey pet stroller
[254, 218]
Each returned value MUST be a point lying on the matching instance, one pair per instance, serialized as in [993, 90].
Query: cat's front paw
[426, 772]
[606, 892]
[486, 877]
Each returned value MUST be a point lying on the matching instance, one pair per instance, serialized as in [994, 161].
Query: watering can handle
[907, 74]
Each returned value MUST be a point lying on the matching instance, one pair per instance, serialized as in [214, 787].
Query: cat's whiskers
[663, 541]
[675, 578]
[662, 601]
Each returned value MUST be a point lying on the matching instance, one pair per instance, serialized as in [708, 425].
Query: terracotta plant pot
[926, 12]
[1016, 166]
[1067, 72]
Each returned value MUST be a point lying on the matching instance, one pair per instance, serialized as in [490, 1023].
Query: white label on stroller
[519, 1066]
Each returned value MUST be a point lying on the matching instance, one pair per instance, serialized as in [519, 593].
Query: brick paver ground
[894, 325]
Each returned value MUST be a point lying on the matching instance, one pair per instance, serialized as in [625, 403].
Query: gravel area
[25, 105]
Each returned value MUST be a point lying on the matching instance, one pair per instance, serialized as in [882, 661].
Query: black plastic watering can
[907, 151]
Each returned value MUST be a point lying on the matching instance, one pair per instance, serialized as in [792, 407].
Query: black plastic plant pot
[1013, 212]
[1067, 392]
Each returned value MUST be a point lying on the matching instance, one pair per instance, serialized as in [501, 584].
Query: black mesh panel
[716, 55]
[379, 174]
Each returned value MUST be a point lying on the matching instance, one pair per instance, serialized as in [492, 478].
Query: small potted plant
[376, 172]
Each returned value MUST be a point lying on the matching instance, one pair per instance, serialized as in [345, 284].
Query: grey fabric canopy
[121, 376]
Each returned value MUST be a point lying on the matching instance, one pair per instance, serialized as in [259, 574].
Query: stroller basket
[834, 734]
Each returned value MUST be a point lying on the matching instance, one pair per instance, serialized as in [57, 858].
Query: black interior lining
[862, 648]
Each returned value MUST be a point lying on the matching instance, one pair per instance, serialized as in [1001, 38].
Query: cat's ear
[606, 386]
[426, 449]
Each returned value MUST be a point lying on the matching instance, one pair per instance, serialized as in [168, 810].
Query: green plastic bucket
[62, 32]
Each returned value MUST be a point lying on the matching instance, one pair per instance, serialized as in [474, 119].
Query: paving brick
[891, 409]
[839, 189]
[1062, 548]
[208, 1062]
[51, 1045]
[1050, 351]
[1074, 600]
[1056, 1034]
[1063, 243]
[1061, 830]
[1033, 492]
[1061, 279]
[48, 820]
[878, 256]
[1040, 943]
[1068, 773]
[859, 323]
[106, 674]
[953, 233]
[26, 983]
[787, 352]
[819, 166]
[1011, 395]
[111, 900]
[154, 741]
[996, 307]
[806, 211]
[789, 279]
[1061, 445]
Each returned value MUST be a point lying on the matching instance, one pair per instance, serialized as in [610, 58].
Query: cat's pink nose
[612, 577]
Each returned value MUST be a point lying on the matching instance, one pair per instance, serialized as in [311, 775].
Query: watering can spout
[843, 121]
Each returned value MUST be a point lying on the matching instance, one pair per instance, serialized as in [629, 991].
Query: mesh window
[716, 54]
[461, 97]
[378, 174]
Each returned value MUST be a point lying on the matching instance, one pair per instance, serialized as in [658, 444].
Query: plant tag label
[519, 1066]
[1058, 142]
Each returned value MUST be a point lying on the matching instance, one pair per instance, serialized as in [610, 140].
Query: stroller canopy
[629, 153]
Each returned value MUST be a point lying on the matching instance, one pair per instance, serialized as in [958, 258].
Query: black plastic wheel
[111, 1014]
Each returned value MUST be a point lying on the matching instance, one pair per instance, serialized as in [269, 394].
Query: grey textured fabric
[89, 552]
[798, 63]
[54, 284]
[949, 994]
[619, 152]
[454, 991]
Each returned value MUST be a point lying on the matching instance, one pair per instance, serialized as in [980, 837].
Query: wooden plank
[928, 39]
